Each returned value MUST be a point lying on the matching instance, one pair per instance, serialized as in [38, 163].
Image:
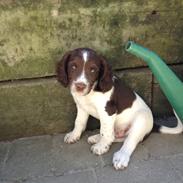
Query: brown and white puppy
[123, 115]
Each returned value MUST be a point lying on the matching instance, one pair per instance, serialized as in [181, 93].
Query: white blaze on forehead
[85, 56]
[82, 78]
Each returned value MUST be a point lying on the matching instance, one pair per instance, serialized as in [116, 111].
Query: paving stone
[73, 156]
[160, 145]
[28, 157]
[47, 159]
[6, 181]
[4, 146]
[177, 164]
[76, 177]
[152, 171]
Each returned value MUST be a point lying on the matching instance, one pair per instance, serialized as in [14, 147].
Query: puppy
[124, 116]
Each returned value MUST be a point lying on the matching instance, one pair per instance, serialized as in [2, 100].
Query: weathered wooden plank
[33, 34]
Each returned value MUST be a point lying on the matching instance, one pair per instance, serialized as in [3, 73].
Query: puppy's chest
[87, 104]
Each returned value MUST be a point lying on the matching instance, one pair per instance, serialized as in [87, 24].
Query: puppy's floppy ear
[61, 70]
[105, 76]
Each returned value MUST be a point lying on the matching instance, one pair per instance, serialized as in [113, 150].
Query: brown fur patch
[121, 99]
[105, 82]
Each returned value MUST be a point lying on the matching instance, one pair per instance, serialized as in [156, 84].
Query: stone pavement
[46, 159]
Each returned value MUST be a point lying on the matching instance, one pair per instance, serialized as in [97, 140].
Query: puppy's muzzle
[80, 86]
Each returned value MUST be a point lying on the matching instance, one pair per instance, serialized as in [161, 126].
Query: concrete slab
[151, 171]
[47, 159]
[177, 164]
[73, 156]
[160, 145]
[4, 147]
[28, 157]
[87, 176]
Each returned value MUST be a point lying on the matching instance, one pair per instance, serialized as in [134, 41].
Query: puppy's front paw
[100, 148]
[120, 160]
[94, 139]
[71, 138]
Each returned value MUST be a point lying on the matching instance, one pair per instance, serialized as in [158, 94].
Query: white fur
[82, 78]
[139, 116]
[85, 56]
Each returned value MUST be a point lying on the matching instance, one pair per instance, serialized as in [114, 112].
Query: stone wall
[34, 34]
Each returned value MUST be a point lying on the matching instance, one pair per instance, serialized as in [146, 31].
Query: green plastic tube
[170, 84]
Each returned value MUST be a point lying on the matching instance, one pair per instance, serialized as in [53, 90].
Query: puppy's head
[83, 70]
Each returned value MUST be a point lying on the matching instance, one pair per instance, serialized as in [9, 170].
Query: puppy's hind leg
[141, 126]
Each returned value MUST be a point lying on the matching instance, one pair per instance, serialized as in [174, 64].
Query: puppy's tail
[169, 130]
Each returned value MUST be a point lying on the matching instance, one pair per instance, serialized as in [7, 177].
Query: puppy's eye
[93, 70]
[73, 67]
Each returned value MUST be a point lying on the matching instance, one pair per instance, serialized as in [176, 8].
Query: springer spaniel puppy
[124, 116]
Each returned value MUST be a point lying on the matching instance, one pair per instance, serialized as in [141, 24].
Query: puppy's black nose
[80, 86]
